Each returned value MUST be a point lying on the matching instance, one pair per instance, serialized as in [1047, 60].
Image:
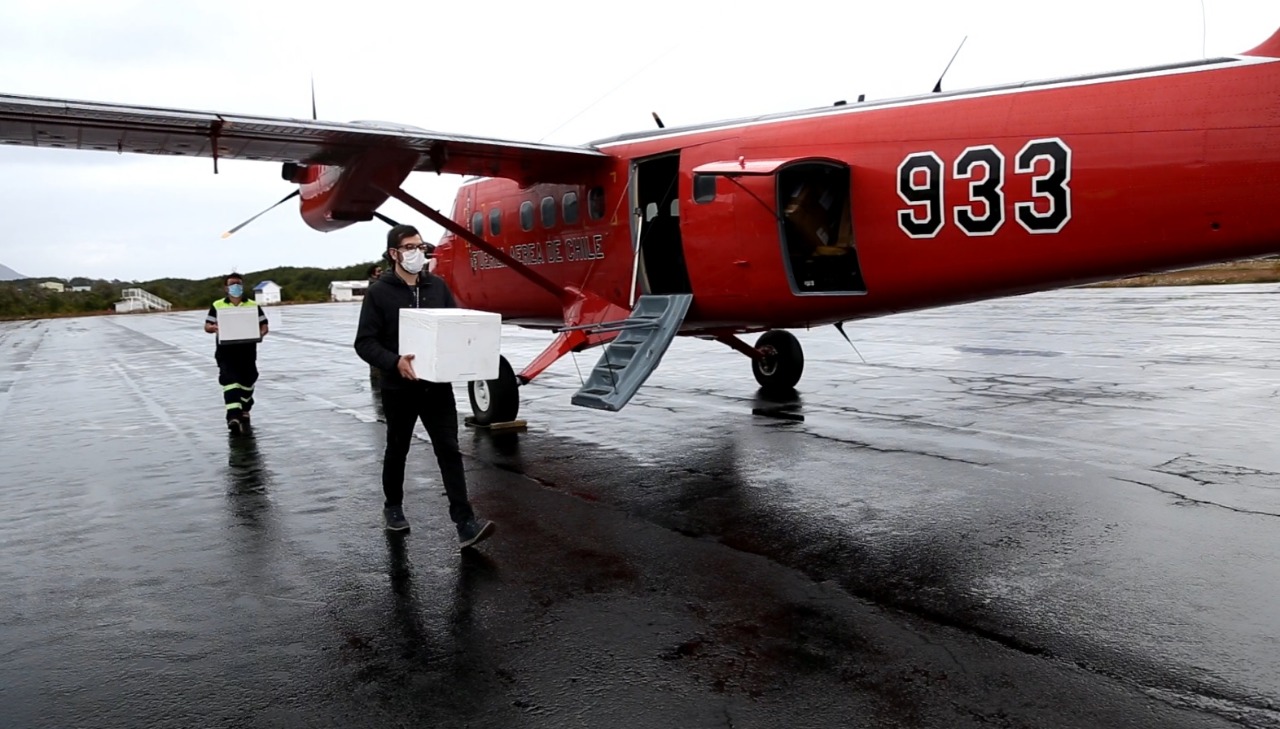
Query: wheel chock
[470, 422]
[783, 413]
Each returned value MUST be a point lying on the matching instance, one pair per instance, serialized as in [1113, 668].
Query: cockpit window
[704, 188]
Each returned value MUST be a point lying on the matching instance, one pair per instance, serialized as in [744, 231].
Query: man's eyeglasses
[424, 247]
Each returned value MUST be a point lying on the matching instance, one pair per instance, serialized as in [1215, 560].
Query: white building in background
[267, 292]
[53, 286]
[347, 290]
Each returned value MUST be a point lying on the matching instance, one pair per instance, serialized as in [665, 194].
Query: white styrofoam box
[238, 324]
[451, 345]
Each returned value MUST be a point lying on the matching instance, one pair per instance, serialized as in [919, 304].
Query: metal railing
[140, 299]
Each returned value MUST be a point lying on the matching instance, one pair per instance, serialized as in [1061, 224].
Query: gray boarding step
[629, 360]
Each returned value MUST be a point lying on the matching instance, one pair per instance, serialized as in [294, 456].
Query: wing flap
[66, 124]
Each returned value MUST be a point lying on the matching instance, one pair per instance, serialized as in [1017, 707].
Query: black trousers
[237, 375]
[434, 405]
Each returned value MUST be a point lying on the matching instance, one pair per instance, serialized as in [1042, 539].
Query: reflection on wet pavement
[1054, 510]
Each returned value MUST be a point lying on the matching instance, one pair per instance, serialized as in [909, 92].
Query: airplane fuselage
[863, 210]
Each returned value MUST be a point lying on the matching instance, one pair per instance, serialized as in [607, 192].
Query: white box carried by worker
[451, 345]
[238, 324]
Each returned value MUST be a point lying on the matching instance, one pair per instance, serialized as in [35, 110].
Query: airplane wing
[62, 123]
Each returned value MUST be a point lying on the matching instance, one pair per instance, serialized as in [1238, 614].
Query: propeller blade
[282, 200]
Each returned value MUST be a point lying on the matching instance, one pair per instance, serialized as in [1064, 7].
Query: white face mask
[413, 261]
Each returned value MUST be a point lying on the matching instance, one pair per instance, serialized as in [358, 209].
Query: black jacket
[378, 334]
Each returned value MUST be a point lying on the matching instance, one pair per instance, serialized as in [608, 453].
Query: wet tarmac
[1059, 510]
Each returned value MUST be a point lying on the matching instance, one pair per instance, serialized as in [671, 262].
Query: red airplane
[784, 221]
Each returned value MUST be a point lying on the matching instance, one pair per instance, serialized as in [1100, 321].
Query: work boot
[473, 532]
[235, 426]
[394, 516]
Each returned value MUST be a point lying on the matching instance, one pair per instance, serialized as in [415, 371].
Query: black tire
[495, 401]
[783, 363]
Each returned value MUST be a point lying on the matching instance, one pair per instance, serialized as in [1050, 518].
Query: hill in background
[27, 298]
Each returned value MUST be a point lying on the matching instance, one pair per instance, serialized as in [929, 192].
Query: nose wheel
[497, 400]
[783, 361]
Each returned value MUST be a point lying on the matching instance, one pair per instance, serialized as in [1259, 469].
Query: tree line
[25, 298]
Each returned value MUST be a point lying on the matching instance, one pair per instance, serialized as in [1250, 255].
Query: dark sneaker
[473, 532]
[394, 515]
[235, 426]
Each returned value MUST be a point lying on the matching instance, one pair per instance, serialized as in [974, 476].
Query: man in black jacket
[405, 398]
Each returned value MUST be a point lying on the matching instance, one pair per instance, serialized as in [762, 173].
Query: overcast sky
[563, 71]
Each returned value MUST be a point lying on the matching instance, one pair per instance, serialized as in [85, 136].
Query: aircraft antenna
[606, 94]
[1203, 29]
[314, 117]
[840, 328]
[937, 88]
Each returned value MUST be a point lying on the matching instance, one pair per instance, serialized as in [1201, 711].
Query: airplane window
[548, 211]
[570, 208]
[595, 203]
[477, 223]
[704, 188]
[675, 208]
[495, 221]
[526, 216]
[650, 211]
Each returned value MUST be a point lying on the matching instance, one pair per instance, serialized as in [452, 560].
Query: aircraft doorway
[662, 268]
[816, 225]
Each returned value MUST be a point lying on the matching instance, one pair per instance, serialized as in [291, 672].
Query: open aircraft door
[660, 266]
[804, 206]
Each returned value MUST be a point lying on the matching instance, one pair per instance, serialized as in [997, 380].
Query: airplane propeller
[281, 201]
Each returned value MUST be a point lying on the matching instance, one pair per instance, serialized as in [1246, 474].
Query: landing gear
[495, 401]
[783, 361]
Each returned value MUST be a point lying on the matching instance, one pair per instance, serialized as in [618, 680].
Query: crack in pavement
[907, 451]
[1184, 499]
[1195, 466]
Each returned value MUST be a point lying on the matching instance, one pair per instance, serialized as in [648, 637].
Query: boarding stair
[634, 354]
[140, 300]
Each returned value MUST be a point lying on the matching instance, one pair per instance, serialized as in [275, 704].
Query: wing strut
[562, 294]
[586, 313]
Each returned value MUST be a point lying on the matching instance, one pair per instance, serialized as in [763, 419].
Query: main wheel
[783, 360]
[495, 401]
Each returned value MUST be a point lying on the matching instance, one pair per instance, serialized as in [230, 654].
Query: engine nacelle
[334, 197]
[295, 173]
